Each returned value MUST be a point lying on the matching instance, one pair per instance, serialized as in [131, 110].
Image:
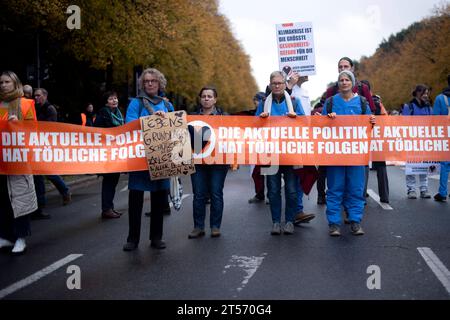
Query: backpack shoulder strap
[446, 103]
[330, 105]
[363, 104]
[360, 89]
[411, 109]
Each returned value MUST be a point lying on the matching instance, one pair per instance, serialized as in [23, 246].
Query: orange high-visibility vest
[27, 107]
[83, 119]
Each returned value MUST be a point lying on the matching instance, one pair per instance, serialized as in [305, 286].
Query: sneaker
[425, 195]
[255, 199]
[158, 244]
[110, 214]
[321, 200]
[440, 198]
[412, 195]
[5, 243]
[356, 229]
[39, 215]
[267, 201]
[130, 246]
[303, 218]
[67, 198]
[334, 230]
[19, 246]
[289, 228]
[215, 232]
[117, 212]
[276, 229]
[196, 233]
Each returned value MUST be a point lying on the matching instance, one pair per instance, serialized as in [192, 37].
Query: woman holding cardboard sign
[147, 103]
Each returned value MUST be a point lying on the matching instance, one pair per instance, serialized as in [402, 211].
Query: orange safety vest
[27, 107]
[83, 119]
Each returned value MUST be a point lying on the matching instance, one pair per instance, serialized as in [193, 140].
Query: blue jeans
[109, 184]
[291, 193]
[208, 180]
[443, 180]
[39, 184]
[299, 196]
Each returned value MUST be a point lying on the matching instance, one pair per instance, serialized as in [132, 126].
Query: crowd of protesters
[346, 185]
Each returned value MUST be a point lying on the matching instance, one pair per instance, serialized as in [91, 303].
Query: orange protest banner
[57, 148]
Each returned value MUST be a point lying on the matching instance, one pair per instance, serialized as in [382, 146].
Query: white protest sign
[422, 168]
[295, 43]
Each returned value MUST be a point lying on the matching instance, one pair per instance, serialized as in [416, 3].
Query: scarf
[154, 99]
[268, 103]
[12, 100]
[116, 116]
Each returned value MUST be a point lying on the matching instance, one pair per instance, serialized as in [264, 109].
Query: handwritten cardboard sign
[167, 145]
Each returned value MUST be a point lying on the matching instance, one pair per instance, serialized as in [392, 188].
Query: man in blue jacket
[441, 107]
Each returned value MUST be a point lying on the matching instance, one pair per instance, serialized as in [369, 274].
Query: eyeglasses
[152, 81]
[275, 84]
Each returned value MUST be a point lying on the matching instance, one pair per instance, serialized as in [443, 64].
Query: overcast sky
[341, 28]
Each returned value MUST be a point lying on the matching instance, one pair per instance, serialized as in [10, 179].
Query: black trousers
[382, 177]
[11, 228]
[321, 181]
[135, 204]
[109, 184]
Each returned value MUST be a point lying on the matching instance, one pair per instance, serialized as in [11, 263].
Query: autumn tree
[418, 54]
[188, 40]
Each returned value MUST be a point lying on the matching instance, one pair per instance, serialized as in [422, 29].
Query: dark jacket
[104, 118]
[46, 112]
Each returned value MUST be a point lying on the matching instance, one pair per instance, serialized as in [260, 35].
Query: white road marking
[376, 197]
[435, 264]
[38, 275]
[249, 264]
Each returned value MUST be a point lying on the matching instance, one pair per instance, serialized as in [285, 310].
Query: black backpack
[361, 98]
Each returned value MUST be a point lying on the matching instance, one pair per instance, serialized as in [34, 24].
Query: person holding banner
[147, 103]
[418, 106]
[279, 103]
[108, 117]
[208, 180]
[17, 193]
[345, 183]
[442, 107]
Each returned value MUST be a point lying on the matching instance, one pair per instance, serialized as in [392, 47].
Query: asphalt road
[246, 262]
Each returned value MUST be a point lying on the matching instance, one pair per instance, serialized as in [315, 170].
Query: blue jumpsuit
[345, 183]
